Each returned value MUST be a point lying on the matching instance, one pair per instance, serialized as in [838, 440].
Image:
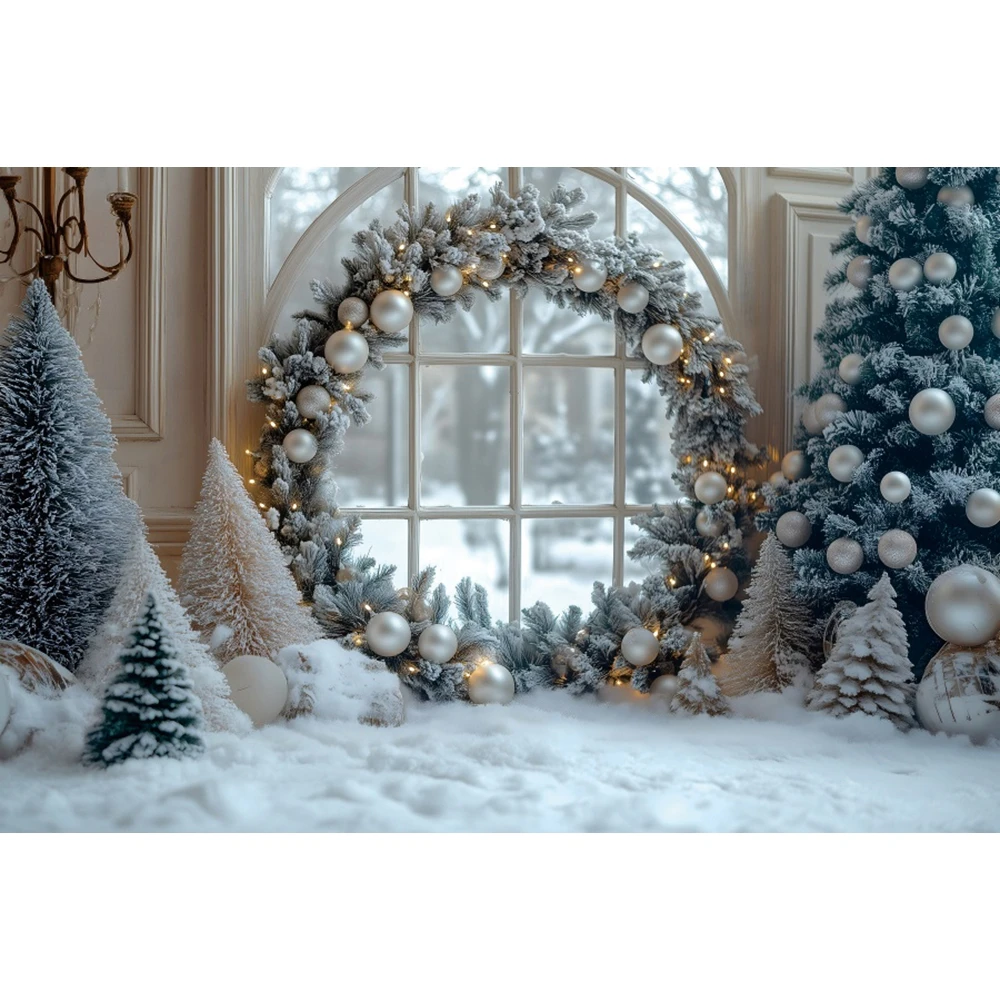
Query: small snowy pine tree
[149, 709]
[234, 574]
[698, 691]
[868, 669]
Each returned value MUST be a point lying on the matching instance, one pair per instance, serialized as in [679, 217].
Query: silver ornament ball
[897, 548]
[391, 311]
[905, 274]
[844, 556]
[957, 694]
[710, 487]
[662, 344]
[640, 647]
[844, 462]
[437, 644]
[810, 421]
[352, 311]
[991, 412]
[827, 408]
[895, 487]
[346, 351]
[664, 687]
[589, 276]
[911, 178]
[793, 529]
[962, 194]
[387, 634]
[489, 268]
[794, 465]
[633, 297]
[707, 526]
[963, 605]
[446, 280]
[312, 401]
[721, 584]
[491, 684]
[862, 229]
[955, 332]
[940, 268]
[849, 368]
[777, 480]
[300, 445]
[859, 271]
[983, 508]
[932, 411]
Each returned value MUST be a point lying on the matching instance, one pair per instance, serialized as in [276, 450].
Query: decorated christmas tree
[149, 709]
[63, 512]
[698, 691]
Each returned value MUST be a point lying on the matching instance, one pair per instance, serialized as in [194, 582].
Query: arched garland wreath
[430, 263]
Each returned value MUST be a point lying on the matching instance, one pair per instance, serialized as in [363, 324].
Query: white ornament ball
[664, 687]
[777, 480]
[905, 274]
[312, 401]
[962, 194]
[897, 548]
[437, 644]
[955, 332]
[633, 297]
[300, 445]
[707, 526]
[859, 271]
[844, 462]
[258, 687]
[447, 280]
[793, 529]
[346, 351]
[911, 178]
[662, 344]
[963, 605]
[844, 556]
[640, 647]
[810, 421]
[721, 584]
[958, 693]
[589, 276]
[710, 487]
[391, 311]
[940, 268]
[6, 700]
[995, 324]
[895, 487]
[387, 634]
[932, 411]
[991, 412]
[491, 684]
[352, 311]
[827, 408]
[849, 368]
[862, 229]
[794, 465]
[983, 508]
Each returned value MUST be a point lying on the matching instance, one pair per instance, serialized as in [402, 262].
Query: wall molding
[838, 175]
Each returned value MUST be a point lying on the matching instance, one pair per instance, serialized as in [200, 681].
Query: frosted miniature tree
[141, 575]
[149, 709]
[233, 573]
[770, 646]
[698, 691]
[63, 511]
[868, 669]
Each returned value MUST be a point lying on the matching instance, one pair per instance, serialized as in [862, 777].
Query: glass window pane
[561, 557]
[569, 435]
[649, 465]
[465, 435]
[476, 547]
[484, 329]
[443, 186]
[386, 541]
[547, 329]
[635, 571]
[600, 194]
[373, 468]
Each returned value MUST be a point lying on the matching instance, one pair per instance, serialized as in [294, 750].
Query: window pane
[569, 435]
[484, 329]
[551, 330]
[386, 542]
[648, 462]
[373, 468]
[465, 435]
[561, 557]
[600, 194]
[445, 185]
[476, 547]
[635, 571]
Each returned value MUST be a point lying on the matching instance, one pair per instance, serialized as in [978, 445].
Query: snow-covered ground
[546, 762]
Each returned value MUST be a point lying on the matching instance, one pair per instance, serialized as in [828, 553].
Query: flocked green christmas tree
[698, 691]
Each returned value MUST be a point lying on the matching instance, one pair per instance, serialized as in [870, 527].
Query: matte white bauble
[491, 684]
[257, 687]
[844, 556]
[955, 332]
[794, 465]
[6, 700]
[932, 411]
[391, 311]
[827, 408]
[897, 548]
[387, 634]
[963, 605]
[844, 462]
[640, 647]
[721, 584]
[490, 268]
[589, 276]
[707, 526]
[849, 368]
[352, 311]
[346, 351]
[911, 178]
[810, 421]
[940, 268]
[958, 693]
[312, 401]
[991, 412]
[905, 274]
[447, 280]
[995, 324]
[793, 529]
[664, 687]
[633, 297]
[300, 445]
[710, 487]
[662, 344]
[962, 194]
[862, 229]
[437, 644]
[983, 508]
[777, 480]
[895, 487]
[859, 271]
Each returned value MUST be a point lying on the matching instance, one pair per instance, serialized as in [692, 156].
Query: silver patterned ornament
[911, 178]
[810, 422]
[710, 487]
[346, 351]
[794, 465]
[589, 276]
[312, 401]
[827, 408]
[940, 268]
[955, 332]
[707, 526]
[491, 684]
[446, 280]
[844, 556]
[897, 548]
[437, 644]
[859, 271]
[932, 411]
[862, 229]
[961, 194]
[421, 610]
[895, 487]
[959, 693]
[352, 311]
[991, 412]
[842, 610]
[963, 605]
[844, 462]
[662, 344]
[633, 297]
[905, 274]
[664, 687]
[983, 508]
[793, 529]
[489, 268]
[849, 368]
[391, 311]
[300, 445]
[721, 584]
[387, 634]
[640, 647]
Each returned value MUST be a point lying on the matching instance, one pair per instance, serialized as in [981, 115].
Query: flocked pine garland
[514, 242]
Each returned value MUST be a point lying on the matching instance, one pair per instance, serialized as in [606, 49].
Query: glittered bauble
[862, 229]
[387, 634]
[491, 684]
[489, 268]
[991, 412]
[257, 687]
[710, 487]
[940, 268]
[895, 487]
[446, 280]
[932, 411]
[810, 421]
[707, 527]
[849, 368]
[437, 643]
[844, 555]
[859, 271]
[352, 311]
[312, 401]
[983, 508]
[300, 445]
[827, 408]
[346, 351]
[955, 332]
[960, 195]
[897, 548]
[911, 178]
[721, 584]
[391, 311]
[664, 687]
[662, 344]
[640, 647]
[959, 693]
[963, 605]
[905, 274]
[844, 462]
[589, 276]
[633, 297]
[793, 529]
[794, 465]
